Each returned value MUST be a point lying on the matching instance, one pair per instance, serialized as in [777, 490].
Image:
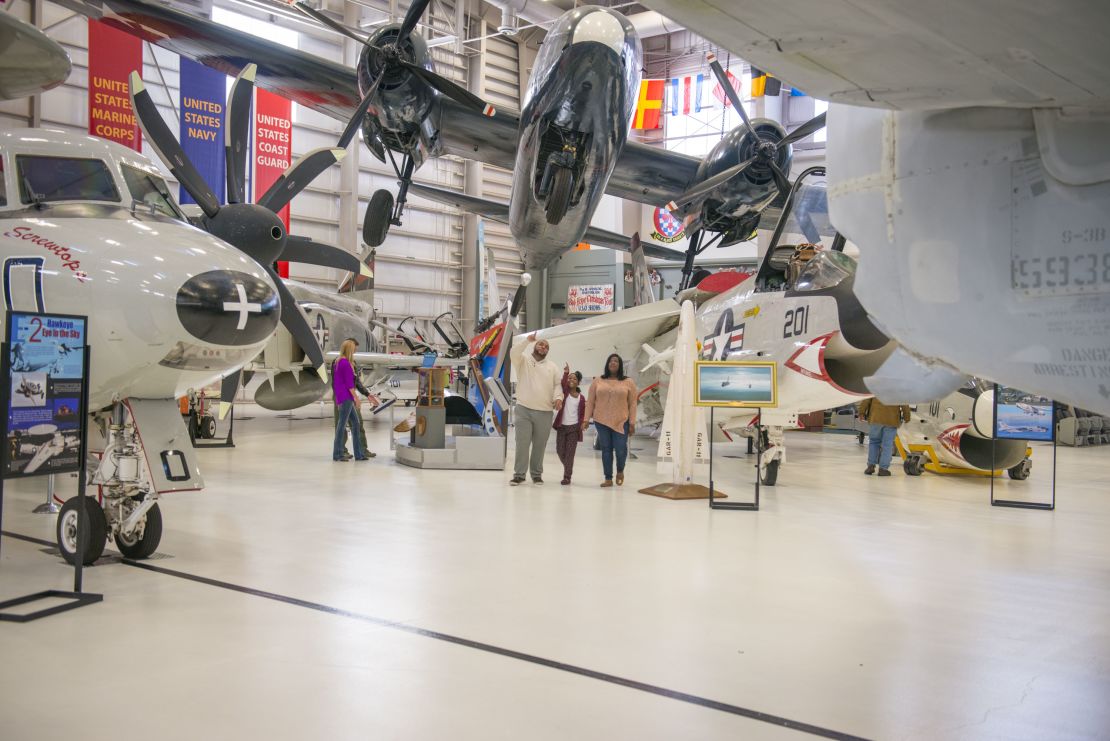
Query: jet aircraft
[955, 436]
[969, 161]
[89, 228]
[798, 310]
[566, 148]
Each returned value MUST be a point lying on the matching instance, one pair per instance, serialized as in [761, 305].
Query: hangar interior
[295, 596]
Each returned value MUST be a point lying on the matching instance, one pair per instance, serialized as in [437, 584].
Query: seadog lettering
[63, 253]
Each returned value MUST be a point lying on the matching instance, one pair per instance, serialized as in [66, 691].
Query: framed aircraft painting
[735, 383]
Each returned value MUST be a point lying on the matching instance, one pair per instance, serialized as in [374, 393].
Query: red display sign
[113, 56]
[273, 149]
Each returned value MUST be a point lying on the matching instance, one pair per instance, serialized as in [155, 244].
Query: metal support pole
[48, 507]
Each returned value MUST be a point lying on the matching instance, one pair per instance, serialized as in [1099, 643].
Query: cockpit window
[150, 190]
[47, 179]
[825, 270]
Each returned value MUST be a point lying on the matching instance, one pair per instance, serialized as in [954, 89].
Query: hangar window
[825, 270]
[47, 179]
[150, 190]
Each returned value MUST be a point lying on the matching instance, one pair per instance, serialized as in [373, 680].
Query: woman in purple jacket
[343, 389]
[568, 422]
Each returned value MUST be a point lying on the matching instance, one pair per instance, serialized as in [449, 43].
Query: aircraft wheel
[1021, 471]
[142, 546]
[769, 474]
[558, 200]
[914, 465]
[207, 427]
[67, 530]
[375, 225]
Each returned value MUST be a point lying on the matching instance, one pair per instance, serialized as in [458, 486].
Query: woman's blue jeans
[347, 417]
[612, 442]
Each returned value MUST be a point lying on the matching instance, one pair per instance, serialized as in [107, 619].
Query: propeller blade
[237, 119]
[781, 181]
[333, 25]
[450, 89]
[169, 151]
[229, 387]
[305, 250]
[708, 185]
[814, 124]
[412, 17]
[298, 176]
[360, 113]
[722, 79]
[292, 318]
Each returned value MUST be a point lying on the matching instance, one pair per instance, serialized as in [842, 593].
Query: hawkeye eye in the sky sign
[44, 367]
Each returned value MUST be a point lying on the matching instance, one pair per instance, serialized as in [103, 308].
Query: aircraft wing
[386, 360]
[904, 55]
[586, 343]
[498, 211]
[651, 175]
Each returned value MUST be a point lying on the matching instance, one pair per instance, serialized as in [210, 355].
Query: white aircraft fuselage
[170, 307]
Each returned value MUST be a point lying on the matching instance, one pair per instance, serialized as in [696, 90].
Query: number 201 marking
[797, 322]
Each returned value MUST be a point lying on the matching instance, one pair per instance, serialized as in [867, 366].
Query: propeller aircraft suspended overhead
[969, 160]
[567, 147]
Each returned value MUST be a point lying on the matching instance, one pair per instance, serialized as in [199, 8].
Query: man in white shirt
[538, 396]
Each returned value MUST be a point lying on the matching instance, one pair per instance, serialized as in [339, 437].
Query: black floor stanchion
[1018, 504]
[752, 506]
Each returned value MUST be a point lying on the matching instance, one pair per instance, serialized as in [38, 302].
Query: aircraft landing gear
[379, 216]
[774, 453]
[559, 194]
[67, 531]
[1021, 471]
[129, 513]
[914, 465]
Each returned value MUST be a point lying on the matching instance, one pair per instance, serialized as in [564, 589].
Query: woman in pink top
[612, 407]
[343, 389]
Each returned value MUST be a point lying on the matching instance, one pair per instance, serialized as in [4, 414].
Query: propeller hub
[766, 149]
[254, 229]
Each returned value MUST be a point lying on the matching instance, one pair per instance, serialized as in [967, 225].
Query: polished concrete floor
[298, 598]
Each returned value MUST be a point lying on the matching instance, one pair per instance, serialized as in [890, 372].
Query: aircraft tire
[207, 427]
[375, 225]
[146, 545]
[769, 475]
[66, 530]
[1021, 471]
[558, 200]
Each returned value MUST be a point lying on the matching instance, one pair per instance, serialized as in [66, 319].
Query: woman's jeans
[347, 416]
[612, 441]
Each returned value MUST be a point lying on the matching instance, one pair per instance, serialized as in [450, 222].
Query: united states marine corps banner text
[113, 56]
[273, 148]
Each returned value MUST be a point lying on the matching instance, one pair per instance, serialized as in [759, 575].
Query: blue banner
[203, 91]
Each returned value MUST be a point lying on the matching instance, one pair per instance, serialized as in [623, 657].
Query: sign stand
[76, 598]
[1017, 504]
[48, 507]
[747, 506]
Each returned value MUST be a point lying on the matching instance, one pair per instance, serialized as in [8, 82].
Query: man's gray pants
[533, 427]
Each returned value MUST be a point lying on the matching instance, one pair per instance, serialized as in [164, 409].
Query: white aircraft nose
[228, 307]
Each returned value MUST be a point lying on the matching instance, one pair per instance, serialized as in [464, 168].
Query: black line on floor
[488, 648]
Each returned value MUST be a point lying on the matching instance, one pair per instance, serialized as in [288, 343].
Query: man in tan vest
[885, 421]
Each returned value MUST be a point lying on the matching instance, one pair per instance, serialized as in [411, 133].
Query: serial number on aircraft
[1094, 235]
[1080, 273]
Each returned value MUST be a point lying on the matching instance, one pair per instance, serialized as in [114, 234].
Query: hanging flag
[719, 93]
[697, 94]
[113, 56]
[202, 122]
[674, 96]
[649, 105]
[273, 149]
[764, 84]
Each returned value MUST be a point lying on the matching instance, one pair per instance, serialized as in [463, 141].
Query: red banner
[273, 149]
[113, 56]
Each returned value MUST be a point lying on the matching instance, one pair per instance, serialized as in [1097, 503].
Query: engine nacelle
[402, 100]
[755, 187]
